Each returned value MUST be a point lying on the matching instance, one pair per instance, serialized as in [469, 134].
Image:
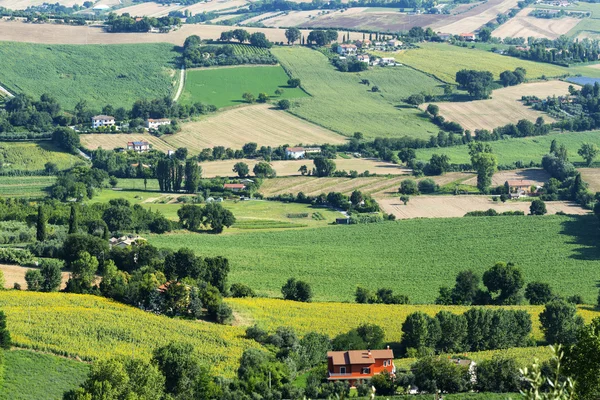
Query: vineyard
[98, 328]
[29, 186]
[412, 257]
[242, 50]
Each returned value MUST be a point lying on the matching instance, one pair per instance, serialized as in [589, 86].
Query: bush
[428, 186]
[500, 375]
[284, 104]
[538, 293]
[241, 290]
[14, 256]
[224, 314]
[408, 186]
[433, 374]
[296, 290]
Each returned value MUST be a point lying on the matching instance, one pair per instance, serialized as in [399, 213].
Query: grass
[250, 215]
[522, 149]
[318, 317]
[99, 328]
[224, 87]
[413, 257]
[32, 156]
[30, 375]
[100, 74]
[340, 103]
[444, 61]
[25, 186]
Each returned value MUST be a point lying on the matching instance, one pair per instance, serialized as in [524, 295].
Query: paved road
[181, 84]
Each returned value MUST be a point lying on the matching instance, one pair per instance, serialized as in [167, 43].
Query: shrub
[538, 293]
[241, 290]
[408, 186]
[296, 290]
[428, 186]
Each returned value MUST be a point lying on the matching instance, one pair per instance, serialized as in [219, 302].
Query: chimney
[388, 346]
[369, 352]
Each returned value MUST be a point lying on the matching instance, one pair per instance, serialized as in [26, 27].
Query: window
[365, 371]
[385, 363]
[342, 370]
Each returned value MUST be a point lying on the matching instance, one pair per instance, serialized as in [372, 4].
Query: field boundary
[181, 85]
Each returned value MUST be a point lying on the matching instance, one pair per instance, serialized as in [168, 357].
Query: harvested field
[524, 26]
[592, 177]
[315, 186]
[290, 167]
[16, 274]
[112, 141]
[504, 107]
[215, 5]
[148, 10]
[366, 18]
[474, 18]
[23, 4]
[458, 206]
[15, 31]
[258, 123]
[536, 175]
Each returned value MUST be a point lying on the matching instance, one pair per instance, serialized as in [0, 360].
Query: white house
[295, 152]
[102, 120]
[388, 61]
[138, 147]
[155, 123]
[346, 49]
[394, 43]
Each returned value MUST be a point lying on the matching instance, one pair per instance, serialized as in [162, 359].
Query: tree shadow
[584, 231]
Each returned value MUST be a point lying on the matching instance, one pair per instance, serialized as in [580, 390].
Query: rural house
[234, 187]
[519, 187]
[444, 36]
[102, 120]
[467, 37]
[363, 58]
[354, 365]
[363, 44]
[388, 61]
[394, 43]
[138, 147]
[155, 123]
[125, 241]
[346, 49]
[295, 152]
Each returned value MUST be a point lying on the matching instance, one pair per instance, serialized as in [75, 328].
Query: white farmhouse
[346, 49]
[102, 120]
[295, 152]
[138, 147]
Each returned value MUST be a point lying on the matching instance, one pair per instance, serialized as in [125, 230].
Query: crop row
[96, 328]
[241, 49]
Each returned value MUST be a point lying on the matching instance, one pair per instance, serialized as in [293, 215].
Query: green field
[25, 186]
[32, 156]
[100, 74]
[250, 215]
[224, 87]
[340, 103]
[445, 60]
[413, 257]
[522, 149]
[32, 376]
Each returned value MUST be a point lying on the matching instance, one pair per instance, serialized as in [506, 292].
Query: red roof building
[355, 365]
[234, 186]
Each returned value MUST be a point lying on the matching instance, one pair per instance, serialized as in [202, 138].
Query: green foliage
[324, 166]
[500, 374]
[213, 216]
[560, 322]
[433, 374]
[83, 271]
[34, 278]
[5, 340]
[15, 256]
[583, 361]
[505, 281]
[41, 233]
[263, 170]
[538, 293]
[408, 186]
[241, 290]
[537, 207]
[224, 87]
[296, 290]
[115, 74]
[589, 151]
[241, 169]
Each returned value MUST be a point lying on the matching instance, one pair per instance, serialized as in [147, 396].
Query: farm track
[181, 84]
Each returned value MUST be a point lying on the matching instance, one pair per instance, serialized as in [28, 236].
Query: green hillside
[99, 74]
[413, 257]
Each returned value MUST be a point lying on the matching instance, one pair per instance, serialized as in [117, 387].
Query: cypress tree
[106, 232]
[4, 333]
[41, 225]
[73, 220]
